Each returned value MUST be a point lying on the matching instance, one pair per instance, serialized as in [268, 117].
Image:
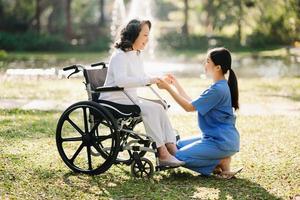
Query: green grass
[30, 167]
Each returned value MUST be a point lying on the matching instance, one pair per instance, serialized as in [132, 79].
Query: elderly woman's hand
[154, 80]
[172, 79]
[163, 84]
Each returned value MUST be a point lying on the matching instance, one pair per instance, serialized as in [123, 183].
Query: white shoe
[172, 162]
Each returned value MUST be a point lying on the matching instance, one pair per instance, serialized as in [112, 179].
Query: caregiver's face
[209, 66]
[142, 39]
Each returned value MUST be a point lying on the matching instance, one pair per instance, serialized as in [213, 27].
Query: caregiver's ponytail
[222, 57]
[233, 86]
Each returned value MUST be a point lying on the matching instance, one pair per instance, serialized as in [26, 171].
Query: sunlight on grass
[31, 167]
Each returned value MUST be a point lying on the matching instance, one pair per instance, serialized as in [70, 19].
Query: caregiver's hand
[172, 79]
[180, 96]
[163, 84]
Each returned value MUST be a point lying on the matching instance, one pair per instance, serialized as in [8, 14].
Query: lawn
[30, 167]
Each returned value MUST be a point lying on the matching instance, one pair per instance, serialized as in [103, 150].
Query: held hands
[154, 80]
[166, 82]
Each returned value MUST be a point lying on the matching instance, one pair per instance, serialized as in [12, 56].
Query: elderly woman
[126, 70]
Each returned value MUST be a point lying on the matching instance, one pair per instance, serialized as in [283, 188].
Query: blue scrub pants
[200, 155]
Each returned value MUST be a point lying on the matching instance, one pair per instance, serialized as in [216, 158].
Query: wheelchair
[93, 135]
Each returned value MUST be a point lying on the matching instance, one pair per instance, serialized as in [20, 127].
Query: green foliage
[174, 40]
[254, 22]
[16, 15]
[31, 41]
[277, 25]
[100, 44]
[3, 54]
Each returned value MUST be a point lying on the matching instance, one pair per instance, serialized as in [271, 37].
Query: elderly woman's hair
[130, 33]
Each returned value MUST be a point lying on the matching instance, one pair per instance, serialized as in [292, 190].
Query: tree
[68, 29]
[185, 27]
[37, 21]
[102, 14]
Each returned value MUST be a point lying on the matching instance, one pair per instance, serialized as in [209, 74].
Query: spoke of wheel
[96, 147]
[101, 138]
[144, 165]
[94, 128]
[141, 174]
[74, 139]
[88, 147]
[85, 120]
[146, 172]
[75, 126]
[77, 152]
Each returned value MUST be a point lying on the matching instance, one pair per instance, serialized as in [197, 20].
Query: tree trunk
[37, 16]
[102, 14]
[208, 20]
[185, 29]
[239, 21]
[57, 18]
[1, 15]
[68, 30]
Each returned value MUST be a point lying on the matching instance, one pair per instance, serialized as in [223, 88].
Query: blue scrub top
[215, 116]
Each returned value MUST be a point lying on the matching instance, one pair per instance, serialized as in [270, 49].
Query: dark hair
[130, 33]
[221, 56]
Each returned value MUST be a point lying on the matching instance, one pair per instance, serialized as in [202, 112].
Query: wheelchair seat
[120, 110]
[96, 78]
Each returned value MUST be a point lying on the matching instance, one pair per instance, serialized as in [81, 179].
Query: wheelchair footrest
[162, 168]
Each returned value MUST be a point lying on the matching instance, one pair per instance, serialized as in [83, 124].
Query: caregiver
[220, 139]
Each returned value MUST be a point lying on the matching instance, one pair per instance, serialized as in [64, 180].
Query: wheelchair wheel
[142, 168]
[85, 127]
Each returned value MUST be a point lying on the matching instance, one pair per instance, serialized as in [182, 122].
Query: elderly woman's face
[142, 39]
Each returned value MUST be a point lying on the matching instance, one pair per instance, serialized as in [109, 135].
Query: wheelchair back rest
[95, 77]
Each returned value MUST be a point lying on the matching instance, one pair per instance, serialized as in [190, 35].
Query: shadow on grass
[171, 185]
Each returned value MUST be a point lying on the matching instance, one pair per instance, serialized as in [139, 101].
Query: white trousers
[156, 122]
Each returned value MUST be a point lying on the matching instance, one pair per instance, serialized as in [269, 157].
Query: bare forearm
[181, 100]
[182, 92]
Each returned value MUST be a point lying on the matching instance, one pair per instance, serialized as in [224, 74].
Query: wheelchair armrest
[158, 101]
[109, 89]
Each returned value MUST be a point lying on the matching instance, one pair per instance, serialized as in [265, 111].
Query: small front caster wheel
[142, 168]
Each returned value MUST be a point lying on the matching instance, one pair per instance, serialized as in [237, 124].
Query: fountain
[137, 10]
[118, 16]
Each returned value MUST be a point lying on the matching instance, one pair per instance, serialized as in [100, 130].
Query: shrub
[30, 41]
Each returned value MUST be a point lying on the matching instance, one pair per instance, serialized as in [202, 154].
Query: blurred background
[50, 34]
[40, 37]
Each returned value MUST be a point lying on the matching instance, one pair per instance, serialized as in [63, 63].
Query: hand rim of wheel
[115, 137]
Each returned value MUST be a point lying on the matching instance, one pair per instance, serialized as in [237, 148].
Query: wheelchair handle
[103, 64]
[70, 67]
[75, 67]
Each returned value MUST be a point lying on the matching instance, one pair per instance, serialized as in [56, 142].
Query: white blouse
[125, 70]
